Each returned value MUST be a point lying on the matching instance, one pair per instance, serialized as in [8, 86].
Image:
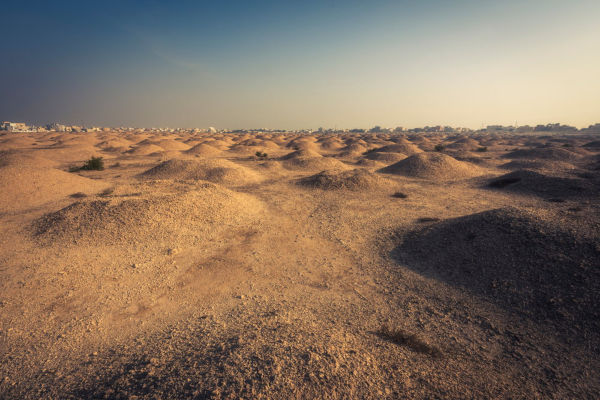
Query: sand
[189, 268]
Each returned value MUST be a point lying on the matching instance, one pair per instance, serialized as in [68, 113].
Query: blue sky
[300, 64]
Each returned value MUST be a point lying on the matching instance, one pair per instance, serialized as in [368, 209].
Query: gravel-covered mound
[433, 166]
[159, 211]
[520, 260]
[217, 171]
[540, 184]
[355, 180]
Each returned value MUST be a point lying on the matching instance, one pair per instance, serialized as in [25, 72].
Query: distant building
[56, 127]
[499, 128]
[14, 127]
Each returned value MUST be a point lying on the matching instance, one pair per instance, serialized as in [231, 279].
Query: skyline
[301, 64]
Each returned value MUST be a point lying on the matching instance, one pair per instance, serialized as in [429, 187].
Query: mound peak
[433, 166]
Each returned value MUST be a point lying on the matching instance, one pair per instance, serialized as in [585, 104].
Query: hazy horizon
[300, 65]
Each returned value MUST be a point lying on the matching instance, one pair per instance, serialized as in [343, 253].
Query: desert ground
[359, 266]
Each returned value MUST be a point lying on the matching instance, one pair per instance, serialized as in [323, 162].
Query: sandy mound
[25, 158]
[303, 145]
[17, 142]
[300, 154]
[23, 188]
[217, 171]
[406, 149]
[167, 212]
[538, 164]
[433, 166]
[594, 145]
[145, 149]
[220, 144]
[313, 163]
[355, 180]
[386, 158]
[557, 154]
[331, 144]
[114, 144]
[370, 164]
[423, 143]
[245, 150]
[517, 259]
[354, 148]
[203, 149]
[166, 155]
[73, 154]
[540, 184]
[172, 144]
[464, 144]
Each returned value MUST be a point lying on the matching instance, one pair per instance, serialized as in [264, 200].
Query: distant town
[56, 127]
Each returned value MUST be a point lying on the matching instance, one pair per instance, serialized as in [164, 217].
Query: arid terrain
[359, 266]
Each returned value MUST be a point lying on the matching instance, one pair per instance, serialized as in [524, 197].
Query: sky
[300, 64]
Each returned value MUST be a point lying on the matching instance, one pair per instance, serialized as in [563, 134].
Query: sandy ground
[340, 266]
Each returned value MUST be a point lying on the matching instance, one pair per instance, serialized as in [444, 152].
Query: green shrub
[93, 164]
[482, 149]
[439, 147]
[400, 195]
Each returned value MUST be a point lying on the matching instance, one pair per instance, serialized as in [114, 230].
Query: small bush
[439, 147]
[78, 195]
[260, 154]
[482, 149]
[93, 164]
[400, 195]
[401, 337]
